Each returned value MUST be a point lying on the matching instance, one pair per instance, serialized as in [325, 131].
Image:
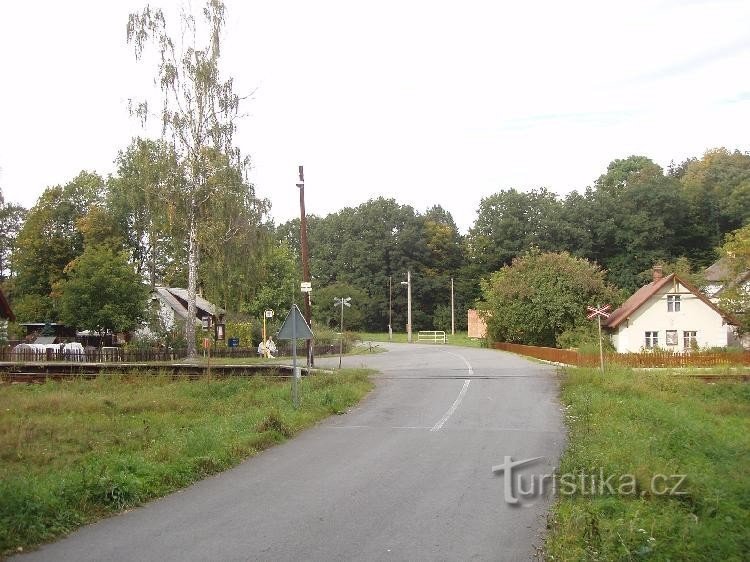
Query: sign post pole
[599, 313]
[295, 396]
[295, 327]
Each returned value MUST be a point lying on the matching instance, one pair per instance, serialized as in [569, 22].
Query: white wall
[694, 315]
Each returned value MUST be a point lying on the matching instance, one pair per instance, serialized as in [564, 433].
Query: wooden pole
[453, 312]
[304, 250]
[601, 348]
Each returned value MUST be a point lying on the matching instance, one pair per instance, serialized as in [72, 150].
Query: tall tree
[102, 292]
[511, 222]
[199, 112]
[12, 217]
[48, 241]
[141, 199]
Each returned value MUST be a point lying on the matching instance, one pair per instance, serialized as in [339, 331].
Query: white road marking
[453, 407]
[462, 358]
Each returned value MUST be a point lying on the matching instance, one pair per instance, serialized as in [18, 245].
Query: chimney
[658, 272]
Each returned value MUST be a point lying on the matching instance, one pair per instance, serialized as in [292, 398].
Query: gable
[655, 295]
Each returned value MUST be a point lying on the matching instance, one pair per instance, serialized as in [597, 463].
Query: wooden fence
[656, 358]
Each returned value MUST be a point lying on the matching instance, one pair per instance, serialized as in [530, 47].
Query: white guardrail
[434, 336]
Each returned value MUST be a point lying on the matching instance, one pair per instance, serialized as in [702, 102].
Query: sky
[428, 102]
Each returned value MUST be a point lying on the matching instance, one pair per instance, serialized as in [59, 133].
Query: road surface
[406, 475]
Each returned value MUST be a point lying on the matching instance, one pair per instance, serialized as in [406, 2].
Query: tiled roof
[642, 295]
[176, 298]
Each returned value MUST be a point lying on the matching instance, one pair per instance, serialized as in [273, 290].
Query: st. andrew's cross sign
[599, 312]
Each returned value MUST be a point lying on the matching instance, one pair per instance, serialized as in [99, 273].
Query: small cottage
[668, 313]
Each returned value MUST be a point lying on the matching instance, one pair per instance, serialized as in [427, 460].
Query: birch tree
[199, 110]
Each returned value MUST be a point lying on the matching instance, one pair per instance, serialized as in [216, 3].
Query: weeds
[73, 451]
[647, 423]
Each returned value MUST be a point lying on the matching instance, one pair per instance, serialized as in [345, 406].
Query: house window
[689, 339]
[671, 337]
[673, 303]
[652, 339]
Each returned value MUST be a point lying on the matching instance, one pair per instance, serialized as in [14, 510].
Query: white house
[668, 313]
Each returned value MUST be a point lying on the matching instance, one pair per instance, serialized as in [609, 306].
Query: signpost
[342, 302]
[294, 328]
[599, 312]
[266, 314]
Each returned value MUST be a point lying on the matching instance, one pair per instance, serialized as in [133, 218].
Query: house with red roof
[669, 313]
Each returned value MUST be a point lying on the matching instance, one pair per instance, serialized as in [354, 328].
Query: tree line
[634, 215]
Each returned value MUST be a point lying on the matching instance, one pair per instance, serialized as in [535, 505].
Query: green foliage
[735, 296]
[585, 338]
[441, 320]
[645, 424]
[278, 285]
[102, 292]
[540, 296]
[200, 112]
[326, 313]
[49, 240]
[12, 218]
[123, 441]
[365, 246]
[511, 222]
[246, 331]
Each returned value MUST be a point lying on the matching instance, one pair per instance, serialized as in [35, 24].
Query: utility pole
[408, 305]
[304, 250]
[453, 312]
[390, 308]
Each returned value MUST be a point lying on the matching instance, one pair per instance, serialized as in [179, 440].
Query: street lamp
[408, 305]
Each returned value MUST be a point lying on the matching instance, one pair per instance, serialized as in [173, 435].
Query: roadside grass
[644, 424]
[74, 451]
[461, 339]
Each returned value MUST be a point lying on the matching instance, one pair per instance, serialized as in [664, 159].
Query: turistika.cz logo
[518, 486]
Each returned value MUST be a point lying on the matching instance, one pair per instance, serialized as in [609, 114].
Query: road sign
[601, 311]
[269, 313]
[295, 327]
[345, 302]
[306, 287]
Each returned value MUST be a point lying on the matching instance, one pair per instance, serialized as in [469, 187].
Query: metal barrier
[431, 336]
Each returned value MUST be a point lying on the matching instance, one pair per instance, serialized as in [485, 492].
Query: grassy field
[71, 452]
[460, 338]
[645, 424]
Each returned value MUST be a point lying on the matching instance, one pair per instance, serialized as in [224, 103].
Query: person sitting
[270, 348]
[261, 349]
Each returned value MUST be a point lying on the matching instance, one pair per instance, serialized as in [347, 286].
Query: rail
[431, 336]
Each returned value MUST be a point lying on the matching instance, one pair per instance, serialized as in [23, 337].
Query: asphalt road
[406, 475]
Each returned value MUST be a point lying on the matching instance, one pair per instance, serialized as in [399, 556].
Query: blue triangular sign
[295, 327]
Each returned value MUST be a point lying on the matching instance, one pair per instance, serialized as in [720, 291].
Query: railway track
[40, 372]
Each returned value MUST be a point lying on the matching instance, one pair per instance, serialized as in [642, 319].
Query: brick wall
[477, 326]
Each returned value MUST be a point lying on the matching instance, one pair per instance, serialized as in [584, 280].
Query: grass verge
[460, 338]
[71, 452]
[645, 424]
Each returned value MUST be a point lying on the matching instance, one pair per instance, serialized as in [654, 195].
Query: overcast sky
[429, 102]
